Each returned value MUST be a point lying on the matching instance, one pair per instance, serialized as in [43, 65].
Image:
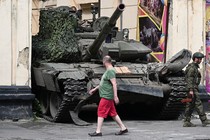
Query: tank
[62, 85]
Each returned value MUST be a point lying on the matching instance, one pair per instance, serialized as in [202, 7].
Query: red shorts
[106, 107]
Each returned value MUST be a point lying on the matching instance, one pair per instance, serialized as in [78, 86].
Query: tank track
[72, 88]
[173, 106]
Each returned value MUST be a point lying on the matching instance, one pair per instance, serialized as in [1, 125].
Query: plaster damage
[23, 58]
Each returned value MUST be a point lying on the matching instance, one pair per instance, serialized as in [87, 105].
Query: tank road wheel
[44, 103]
[62, 105]
[55, 102]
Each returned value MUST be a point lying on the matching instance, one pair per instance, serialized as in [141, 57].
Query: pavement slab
[138, 130]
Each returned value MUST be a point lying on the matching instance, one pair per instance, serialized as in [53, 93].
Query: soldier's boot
[204, 120]
[187, 122]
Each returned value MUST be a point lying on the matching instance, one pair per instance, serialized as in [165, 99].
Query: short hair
[107, 58]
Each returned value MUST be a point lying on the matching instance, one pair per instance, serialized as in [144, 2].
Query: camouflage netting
[56, 41]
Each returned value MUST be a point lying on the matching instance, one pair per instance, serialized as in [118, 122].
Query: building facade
[186, 29]
[15, 59]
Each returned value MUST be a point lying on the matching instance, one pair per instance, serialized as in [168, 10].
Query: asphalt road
[138, 130]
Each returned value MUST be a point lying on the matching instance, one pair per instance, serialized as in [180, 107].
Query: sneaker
[188, 124]
[205, 123]
[94, 134]
[121, 132]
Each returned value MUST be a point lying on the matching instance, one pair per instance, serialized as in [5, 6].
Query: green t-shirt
[105, 87]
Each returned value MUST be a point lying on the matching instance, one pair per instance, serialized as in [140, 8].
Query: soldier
[193, 78]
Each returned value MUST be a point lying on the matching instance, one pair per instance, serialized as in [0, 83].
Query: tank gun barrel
[93, 49]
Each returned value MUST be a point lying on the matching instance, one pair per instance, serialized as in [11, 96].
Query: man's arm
[114, 84]
[93, 90]
[191, 81]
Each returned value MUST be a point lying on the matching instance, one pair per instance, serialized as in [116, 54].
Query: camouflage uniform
[193, 78]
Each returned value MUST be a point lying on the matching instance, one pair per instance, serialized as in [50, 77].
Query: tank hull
[133, 88]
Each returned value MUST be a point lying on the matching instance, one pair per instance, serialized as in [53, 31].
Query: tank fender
[76, 75]
[173, 65]
[179, 61]
[156, 91]
[50, 80]
[39, 80]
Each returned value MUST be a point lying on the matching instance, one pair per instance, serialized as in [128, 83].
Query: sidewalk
[138, 130]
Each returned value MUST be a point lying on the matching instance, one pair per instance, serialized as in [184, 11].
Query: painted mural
[208, 46]
[152, 26]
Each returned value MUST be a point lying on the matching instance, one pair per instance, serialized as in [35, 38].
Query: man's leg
[102, 113]
[98, 130]
[99, 124]
[119, 122]
[200, 111]
[188, 112]
[121, 125]
[115, 116]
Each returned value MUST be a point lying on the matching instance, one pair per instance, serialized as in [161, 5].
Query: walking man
[108, 94]
[193, 78]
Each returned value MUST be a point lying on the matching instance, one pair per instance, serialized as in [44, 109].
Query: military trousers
[196, 105]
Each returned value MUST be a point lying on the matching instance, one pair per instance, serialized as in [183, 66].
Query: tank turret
[95, 46]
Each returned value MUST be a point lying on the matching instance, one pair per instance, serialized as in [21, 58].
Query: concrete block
[15, 102]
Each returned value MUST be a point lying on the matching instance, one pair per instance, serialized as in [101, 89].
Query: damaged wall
[186, 27]
[15, 42]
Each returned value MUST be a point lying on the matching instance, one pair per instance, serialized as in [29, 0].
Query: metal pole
[121, 18]
[166, 33]
[99, 7]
